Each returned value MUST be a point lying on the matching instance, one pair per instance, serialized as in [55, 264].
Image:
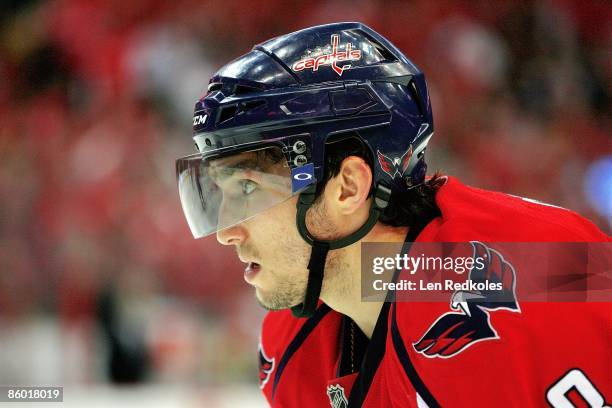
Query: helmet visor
[218, 191]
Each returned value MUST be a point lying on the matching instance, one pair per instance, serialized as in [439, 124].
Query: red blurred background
[96, 101]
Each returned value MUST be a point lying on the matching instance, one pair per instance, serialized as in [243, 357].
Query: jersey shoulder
[472, 213]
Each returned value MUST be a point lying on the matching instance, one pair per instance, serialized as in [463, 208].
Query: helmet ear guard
[318, 255]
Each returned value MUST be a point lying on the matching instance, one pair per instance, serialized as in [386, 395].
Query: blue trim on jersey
[298, 340]
[411, 373]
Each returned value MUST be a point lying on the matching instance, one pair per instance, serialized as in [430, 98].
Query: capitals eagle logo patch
[453, 332]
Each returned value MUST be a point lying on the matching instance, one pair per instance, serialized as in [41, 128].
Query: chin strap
[316, 265]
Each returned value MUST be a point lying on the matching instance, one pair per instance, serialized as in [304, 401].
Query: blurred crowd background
[100, 280]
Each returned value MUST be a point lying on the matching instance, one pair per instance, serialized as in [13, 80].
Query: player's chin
[271, 300]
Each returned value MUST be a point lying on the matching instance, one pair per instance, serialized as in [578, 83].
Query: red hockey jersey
[539, 354]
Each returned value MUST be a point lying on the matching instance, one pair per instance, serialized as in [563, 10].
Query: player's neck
[345, 294]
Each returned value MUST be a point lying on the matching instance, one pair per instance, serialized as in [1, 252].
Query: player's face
[275, 254]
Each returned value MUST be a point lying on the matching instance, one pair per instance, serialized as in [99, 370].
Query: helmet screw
[299, 147]
[300, 160]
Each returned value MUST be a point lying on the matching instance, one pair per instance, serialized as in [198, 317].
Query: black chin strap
[316, 265]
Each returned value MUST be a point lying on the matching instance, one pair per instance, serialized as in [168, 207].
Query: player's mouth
[251, 271]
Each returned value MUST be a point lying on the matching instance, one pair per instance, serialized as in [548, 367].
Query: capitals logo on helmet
[397, 166]
[327, 56]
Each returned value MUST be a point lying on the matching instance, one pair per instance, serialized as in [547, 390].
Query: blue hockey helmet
[262, 128]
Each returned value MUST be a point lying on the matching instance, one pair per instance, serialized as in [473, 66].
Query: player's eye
[248, 186]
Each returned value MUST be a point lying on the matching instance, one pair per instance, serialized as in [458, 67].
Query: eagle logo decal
[453, 332]
[396, 166]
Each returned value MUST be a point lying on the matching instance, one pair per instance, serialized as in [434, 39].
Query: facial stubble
[290, 289]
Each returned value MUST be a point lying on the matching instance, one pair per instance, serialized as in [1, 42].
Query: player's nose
[234, 235]
[231, 231]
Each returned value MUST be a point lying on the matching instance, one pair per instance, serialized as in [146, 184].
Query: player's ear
[351, 186]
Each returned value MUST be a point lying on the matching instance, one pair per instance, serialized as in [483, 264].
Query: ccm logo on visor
[328, 56]
[199, 120]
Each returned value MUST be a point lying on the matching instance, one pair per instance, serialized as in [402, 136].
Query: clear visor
[218, 192]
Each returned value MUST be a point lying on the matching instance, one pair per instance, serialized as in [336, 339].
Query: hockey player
[314, 142]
